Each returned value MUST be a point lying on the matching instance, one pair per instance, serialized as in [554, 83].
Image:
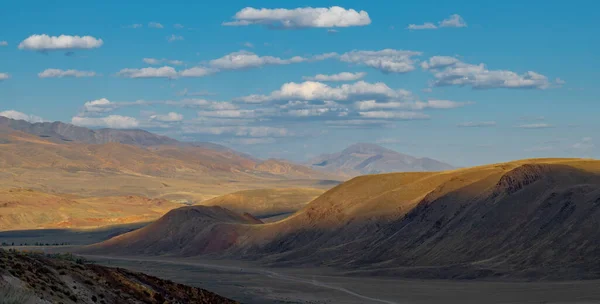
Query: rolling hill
[523, 219]
[266, 203]
[22, 209]
[360, 159]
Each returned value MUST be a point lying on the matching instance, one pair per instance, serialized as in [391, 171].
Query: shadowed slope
[531, 218]
[36, 278]
[185, 231]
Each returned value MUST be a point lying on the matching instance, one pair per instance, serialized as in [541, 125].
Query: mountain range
[530, 219]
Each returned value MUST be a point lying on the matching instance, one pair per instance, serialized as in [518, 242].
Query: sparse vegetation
[13, 295]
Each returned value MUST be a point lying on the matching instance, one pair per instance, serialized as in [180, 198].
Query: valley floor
[247, 283]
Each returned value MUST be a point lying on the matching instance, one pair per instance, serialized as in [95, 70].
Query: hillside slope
[28, 278]
[22, 209]
[531, 218]
[265, 202]
[360, 159]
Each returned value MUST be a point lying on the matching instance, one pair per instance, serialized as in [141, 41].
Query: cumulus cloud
[197, 72]
[394, 115]
[424, 26]
[101, 105]
[135, 26]
[452, 21]
[449, 71]
[174, 38]
[413, 105]
[162, 72]
[4, 76]
[311, 90]
[178, 26]
[344, 76]
[57, 73]
[387, 60]
[154, 61]
[3, 43]
[249, 45]
[62, 42]
[307, 17]
[535, 126]
[170, 117]
[112, 121]
[476, 124]
[245, 59]
[12, 114]
[437, 62]
[155, 25]
[228, 113]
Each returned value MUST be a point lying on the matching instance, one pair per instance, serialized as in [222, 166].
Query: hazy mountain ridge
[362, 158]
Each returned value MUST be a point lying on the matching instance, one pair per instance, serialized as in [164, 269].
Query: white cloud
[424, 26]
[174, 38]
[245, 59]
[311, 90]
[62, 42]
[155, 25]
[154, 61]
[249, 45]
[334, 16]
[197, 72]
[3, 43]
[135, 25]
[452, 21]
[178, 26]
[4, 76]
[12, 114]
[477, 124]
[57, 73]
[416, 105]
[394, 115]
[228, 113]
[437, 62]
[449, 71]
[165, 72]
[162, 72]
[387, 60]
[112, 121]
[171, 117]
[101, 105]
[202, 103]
[344, 76]
[535, 126]
[332, 31]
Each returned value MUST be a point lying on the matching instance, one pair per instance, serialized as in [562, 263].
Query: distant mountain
[63, 132]
[364, 158]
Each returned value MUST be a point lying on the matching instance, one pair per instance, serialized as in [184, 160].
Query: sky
[457, 81]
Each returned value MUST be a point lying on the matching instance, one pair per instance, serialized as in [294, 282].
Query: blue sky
[458, 81]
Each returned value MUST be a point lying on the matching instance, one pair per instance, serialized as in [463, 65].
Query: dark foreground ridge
[38, 278]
